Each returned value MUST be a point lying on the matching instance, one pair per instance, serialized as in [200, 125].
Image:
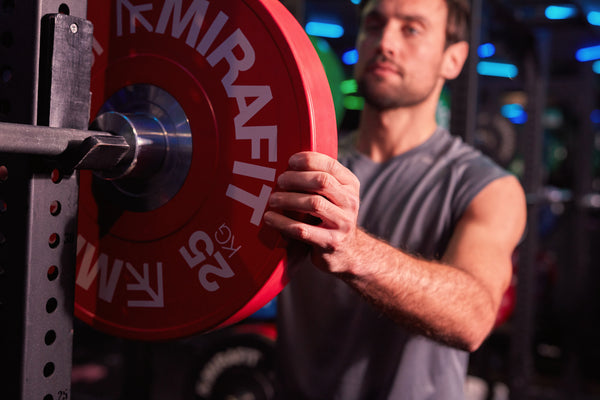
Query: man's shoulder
[462, 155]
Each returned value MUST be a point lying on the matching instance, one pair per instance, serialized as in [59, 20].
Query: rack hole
[54, 240]
[55, 208]
[52, 273]
[64, 9]
[50, 337]
[51, 305]
[3, 206]
[48, 369]
[56, 176]
[48, 397]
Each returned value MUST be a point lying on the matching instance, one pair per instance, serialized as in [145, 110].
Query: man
[409, 278]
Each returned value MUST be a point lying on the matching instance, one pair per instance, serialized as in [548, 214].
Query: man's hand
[319, 186]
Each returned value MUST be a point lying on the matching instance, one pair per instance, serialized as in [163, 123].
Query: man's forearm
[429, 298]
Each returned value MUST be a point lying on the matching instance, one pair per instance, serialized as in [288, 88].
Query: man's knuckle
[318, 204]
[336, 240]
[302, 232]
[333, 165]
[322, 181]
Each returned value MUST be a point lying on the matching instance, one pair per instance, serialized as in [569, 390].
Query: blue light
[486, 50]
[355, 2]
[350, 57]
[593, 18]
[501, 70]
[324, 29]
[588, 54]
[560, 12]
[520, 119]
[512, 110]
[596, 67]
[595, 116]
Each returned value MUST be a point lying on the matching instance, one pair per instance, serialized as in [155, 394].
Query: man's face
[401, 46]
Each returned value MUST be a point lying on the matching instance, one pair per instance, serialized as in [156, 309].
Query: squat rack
[45, 48]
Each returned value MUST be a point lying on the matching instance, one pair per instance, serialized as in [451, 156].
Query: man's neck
[385, 134]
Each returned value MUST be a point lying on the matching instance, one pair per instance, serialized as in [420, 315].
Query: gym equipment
[211, 100]
[237, 88]
[196, 108]
[239, 365]
[496, 137]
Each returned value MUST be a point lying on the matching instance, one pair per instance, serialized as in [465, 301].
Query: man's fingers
[313, 161]
[297, 230]
[306, 181]
[320, 183]
[315, 205]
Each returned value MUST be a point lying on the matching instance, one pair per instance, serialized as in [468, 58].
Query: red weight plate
[184, 251]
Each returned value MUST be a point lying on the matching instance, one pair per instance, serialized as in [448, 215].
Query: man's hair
[457, 25]
[459, 20]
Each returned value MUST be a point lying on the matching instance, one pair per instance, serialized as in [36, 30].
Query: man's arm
[454, 301]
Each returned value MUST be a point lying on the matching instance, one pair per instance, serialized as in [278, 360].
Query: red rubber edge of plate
[323, 139]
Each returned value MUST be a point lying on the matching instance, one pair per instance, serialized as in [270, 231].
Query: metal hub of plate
[178, 247]
[160, 134]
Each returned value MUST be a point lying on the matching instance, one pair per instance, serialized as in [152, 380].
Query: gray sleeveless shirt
[332, 344]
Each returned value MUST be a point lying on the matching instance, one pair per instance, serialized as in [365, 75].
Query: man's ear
[454, 59]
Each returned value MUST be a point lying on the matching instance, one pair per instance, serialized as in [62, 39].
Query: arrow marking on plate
[135, 13]
[143, 285]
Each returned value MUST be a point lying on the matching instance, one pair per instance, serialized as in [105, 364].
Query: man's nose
[389, 40]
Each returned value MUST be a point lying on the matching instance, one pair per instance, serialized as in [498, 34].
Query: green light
[354, 103]
[349, 86]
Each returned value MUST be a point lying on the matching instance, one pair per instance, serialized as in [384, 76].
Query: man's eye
[411, 30]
